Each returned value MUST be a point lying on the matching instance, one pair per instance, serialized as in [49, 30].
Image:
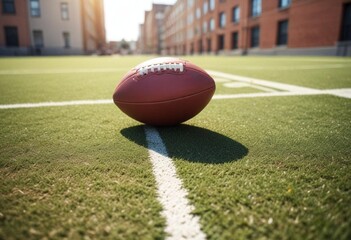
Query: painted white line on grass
[265, 94]
[220, 80]
[60, 71]
[181, 224]
[56, 104]
[343, 92]
[279, 86]
[241, 85]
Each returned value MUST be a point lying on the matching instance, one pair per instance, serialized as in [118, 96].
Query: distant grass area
[256, 168]
[73, 78]
[62, 78]
[314, 72]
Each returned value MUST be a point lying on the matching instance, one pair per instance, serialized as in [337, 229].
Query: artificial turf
[267, 168]
[68, 173]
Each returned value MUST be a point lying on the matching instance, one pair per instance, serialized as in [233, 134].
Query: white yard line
[275, 85]
[56, 104]
[265, 94]
[181, 224]
[343, 92]
[265, 89]
[290, 90]
[59, 71]
[241, 85]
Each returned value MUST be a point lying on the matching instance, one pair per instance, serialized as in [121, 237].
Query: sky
[122, 17]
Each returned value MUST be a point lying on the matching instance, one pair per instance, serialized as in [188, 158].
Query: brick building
[151, 36]
[54, 27]
[309, 27]
[175, 28]
[14, 28]
[93, 25]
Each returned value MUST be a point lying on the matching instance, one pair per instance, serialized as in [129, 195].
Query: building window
[282, 33]
[11, 36]
[204, 27]
[34, 8]
[346, 23]
[190, 19]
[284, 3]
[255, 8]
[196, 30]
[236, 14]
[200, 46]
[235, 40]
[190, 33]
[205, 7]
[8, 6]
[190, 3]
[221, 42]
[64, 11]
[198, 13]
[209, 45]
[212, 24]
[38, 39]
[222, 20]
[255, 36]
[212, 5]
[66, 40]
[158, 15]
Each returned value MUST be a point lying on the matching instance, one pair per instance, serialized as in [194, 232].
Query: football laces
[158, 67]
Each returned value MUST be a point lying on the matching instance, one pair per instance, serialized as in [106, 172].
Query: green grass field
[255, 168]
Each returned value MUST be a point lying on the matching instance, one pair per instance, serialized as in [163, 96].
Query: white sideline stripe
[279, 86]
[181, 224]
[265, 89]
[56, 104]
[241, 85]
[265, 94]
[59, 71]
[342, 92]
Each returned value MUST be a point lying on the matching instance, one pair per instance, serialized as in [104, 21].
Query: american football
[164, 91]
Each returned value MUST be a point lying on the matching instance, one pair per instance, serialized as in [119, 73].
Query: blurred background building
[239, 27]
[55, 27]
[151, 36]
[231, 27]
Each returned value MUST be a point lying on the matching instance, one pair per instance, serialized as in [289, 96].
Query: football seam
[170, 100]
[137, 77]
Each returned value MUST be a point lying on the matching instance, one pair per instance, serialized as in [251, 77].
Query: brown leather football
[164, 91]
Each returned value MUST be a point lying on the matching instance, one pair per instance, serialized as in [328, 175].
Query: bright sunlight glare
[122, 18]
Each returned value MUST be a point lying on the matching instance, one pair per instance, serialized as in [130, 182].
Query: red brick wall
[314, 23]
[311, 23]
[19, 20]
[268, 23]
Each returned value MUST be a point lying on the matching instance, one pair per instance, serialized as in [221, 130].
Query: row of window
[8, 7]
[12, 39]
[282, 38]
[255, 9]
